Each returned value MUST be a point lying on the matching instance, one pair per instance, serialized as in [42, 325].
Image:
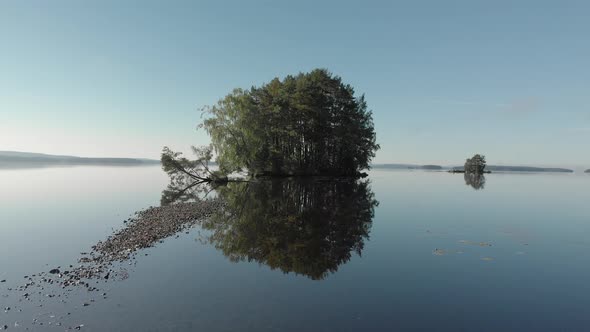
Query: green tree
[476, 164]
[308, 124]
[182, 170]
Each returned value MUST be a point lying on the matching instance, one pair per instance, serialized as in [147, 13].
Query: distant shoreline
[9, 159]
[492, 168]
[13, 159]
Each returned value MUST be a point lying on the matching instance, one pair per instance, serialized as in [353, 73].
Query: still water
[398, 251]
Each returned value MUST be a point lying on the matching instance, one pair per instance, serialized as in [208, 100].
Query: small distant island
[474, 165]
[14, 159]
[587, 171]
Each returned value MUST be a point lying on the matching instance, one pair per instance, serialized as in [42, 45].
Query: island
[587, 171]
[309, 124]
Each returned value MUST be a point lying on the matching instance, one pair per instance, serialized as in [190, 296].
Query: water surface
[404, 250]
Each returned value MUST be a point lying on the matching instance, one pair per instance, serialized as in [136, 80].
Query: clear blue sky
[445, 79]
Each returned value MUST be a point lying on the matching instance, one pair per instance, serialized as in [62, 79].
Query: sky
[444, 79]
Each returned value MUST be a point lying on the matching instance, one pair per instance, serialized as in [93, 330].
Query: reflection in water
[306, 227]
[181, 192]
[477, 181]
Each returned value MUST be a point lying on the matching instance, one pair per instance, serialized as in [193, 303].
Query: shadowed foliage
[306, 227]
[475, 164]
[477, 181]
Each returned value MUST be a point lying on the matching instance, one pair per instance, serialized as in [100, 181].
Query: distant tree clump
[308, 124]
[476, 164]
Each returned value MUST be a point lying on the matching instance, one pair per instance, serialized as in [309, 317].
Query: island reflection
[307, 227]
[476, 181]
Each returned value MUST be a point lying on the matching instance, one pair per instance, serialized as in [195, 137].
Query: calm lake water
[403, 251]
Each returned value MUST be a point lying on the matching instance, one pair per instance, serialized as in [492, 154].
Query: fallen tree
[197, 170]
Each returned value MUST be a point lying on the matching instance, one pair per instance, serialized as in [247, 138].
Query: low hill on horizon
[9, 159]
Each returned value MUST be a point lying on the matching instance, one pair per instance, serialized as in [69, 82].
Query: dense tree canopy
[476, 164]
[307, 124]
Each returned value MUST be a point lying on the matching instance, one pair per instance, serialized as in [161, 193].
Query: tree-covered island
[307, 124]
[474, 165]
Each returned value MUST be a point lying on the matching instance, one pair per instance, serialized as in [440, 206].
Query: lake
[397, 251]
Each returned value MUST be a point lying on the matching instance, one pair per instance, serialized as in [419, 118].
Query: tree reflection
[306, 227]
[477, 181]
[183, 189]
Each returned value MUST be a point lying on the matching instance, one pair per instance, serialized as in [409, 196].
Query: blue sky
[445, 79]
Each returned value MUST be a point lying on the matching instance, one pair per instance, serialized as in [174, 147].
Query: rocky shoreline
[146, 229]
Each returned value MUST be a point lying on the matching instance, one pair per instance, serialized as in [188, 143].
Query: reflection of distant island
[11, 159]
[493, 168]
